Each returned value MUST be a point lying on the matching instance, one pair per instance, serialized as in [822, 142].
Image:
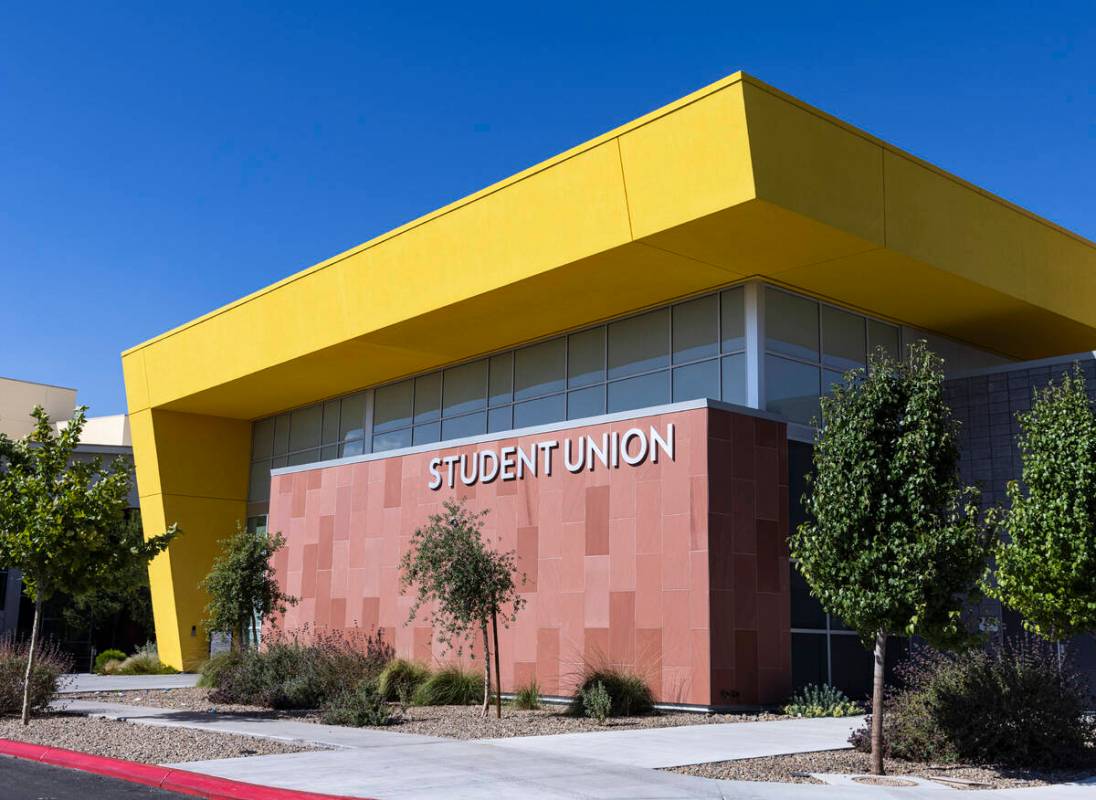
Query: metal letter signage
[585, 452]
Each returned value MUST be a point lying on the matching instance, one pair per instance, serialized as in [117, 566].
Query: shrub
[629, 694]
[358, 708]
[596, 702]
[305, 669]
[50, 664]
[210, 673]
[821, 701]
[527, 698]
[105, 657]
[1015, 706]
[400, 679]
[146, 661]
[450, 686]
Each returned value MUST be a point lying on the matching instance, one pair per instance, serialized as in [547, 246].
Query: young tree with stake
[464, 582]
[893, 544]
[59, 519]
[1046, 563]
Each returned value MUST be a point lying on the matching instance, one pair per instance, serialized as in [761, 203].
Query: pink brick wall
[620, 564]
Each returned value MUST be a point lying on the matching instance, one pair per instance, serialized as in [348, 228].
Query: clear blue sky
[159, 160]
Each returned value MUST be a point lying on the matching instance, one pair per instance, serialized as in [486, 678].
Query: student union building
[617, 353]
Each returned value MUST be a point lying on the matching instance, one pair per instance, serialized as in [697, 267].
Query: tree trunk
[30, 661]
[498, 669]
[486, 670]
[877, 705]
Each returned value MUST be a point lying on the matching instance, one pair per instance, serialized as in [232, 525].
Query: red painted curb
[167, 778]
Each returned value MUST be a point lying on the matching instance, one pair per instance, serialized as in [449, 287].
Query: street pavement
[86, 682]
[29, 780]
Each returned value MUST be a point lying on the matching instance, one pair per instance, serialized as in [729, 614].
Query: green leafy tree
[59, 519]
[242, 586]
[463, 582]
[893, 544]
[1046, 563]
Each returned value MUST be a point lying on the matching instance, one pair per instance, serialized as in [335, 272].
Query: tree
[242, 585]
[464, 583]
[59, 518]
[892, 543]
[1046, 564]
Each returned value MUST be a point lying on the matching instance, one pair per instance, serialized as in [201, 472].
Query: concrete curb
[167, 778]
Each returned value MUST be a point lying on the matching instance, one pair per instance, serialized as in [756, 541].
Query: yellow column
[191, 470]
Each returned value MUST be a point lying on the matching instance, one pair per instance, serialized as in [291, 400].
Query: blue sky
[159, 160]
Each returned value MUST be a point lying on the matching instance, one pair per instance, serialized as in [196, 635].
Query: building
[617, 352]
[106, 438]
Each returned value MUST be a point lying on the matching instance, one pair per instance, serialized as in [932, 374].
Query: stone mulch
[148, 744]
[455, 722]
[797, 768]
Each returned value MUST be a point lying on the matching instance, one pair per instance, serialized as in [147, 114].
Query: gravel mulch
[797, 768]
[149, 744]
[455, 722]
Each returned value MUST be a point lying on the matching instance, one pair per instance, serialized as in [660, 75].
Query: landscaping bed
[456, 722]
[796, 768]
[150, 744]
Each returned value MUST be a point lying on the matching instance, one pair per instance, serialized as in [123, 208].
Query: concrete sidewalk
[86, 682]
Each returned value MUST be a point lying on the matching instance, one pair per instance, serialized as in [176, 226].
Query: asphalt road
[28, 780]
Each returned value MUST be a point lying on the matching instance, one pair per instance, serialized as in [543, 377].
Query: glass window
[791, 324]
[586, 357]
[538, 370]
[262, 438]
[734, 378]
[539, 412]
[352, 417]
[392, 407]
[733, 319]
[259, 485]
[852, 666]
[831, 379]
[696, 381]
[427, 397]
[330, 421]
[639, 344]
[352, 447]
[304, 457]
[304, 427]
[329, 451]
[639, 392]
[696, 329]
[880, 334]
[468, 425]
[392, 440]
[809, 661]
[842, 339]
[500, 419]
[806, 611]
[281, 434]
[588, 402]
[465, 388]
[425, 434]
[791, 389]
[501, 389]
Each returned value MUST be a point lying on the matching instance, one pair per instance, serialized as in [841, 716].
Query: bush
[358, 708]
[50, 663]
[146, 661]
[629, 694]
[105, 657]
[400, 679]
[821, 701]
[527, 698]
[303, 670]
[1013, 706]
[210, 673]
[596, 702]
[450, 686]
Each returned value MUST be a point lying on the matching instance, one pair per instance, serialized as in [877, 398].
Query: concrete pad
[692, 744]
[457, 770]
[86, 682]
